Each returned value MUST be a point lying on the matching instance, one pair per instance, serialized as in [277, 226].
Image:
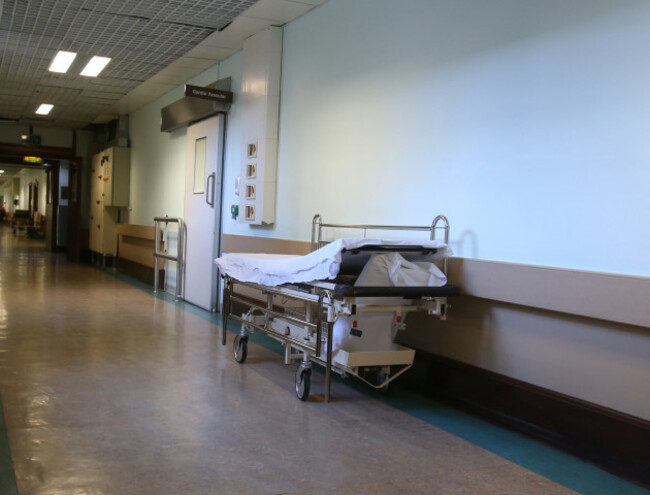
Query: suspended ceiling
[155, 45]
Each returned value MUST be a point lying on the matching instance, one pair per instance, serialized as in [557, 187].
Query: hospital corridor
[108, 389]
[324, 247]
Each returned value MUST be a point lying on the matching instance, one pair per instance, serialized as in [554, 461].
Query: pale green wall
[158, 158]
[525, 122]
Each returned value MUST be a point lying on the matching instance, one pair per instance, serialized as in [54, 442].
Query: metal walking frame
[179, 258]
[309, 328]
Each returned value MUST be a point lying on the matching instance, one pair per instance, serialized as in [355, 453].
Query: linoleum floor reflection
[109, 390]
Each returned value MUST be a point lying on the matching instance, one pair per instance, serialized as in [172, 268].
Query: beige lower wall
[246, 244]
[136, 243]
[571, 343]
[597, 361]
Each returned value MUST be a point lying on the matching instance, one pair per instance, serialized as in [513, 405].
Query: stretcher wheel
[240, 348]
[382, 376]
[303, 380]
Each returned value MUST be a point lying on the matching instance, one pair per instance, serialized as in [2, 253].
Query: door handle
[209, 190]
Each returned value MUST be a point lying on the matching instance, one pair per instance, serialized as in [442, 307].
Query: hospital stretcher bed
[321, 313]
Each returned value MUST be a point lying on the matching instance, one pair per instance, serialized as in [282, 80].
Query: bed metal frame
[309, 330]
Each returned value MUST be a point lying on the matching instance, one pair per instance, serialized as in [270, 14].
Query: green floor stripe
[562, 468]
[7, 477]
[557, 466]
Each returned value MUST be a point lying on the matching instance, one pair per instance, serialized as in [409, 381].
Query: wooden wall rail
[136, 243]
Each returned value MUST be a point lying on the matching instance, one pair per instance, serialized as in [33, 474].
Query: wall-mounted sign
[32, 159]
[30, 139]
[208, 93]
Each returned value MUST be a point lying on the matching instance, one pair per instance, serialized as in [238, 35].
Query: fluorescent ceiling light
[95, 66]
[62, 61]
[44, 109]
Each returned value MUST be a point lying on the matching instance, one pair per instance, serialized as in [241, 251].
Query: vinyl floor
[107, 388]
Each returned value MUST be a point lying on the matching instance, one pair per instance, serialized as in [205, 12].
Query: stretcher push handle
[445, 226]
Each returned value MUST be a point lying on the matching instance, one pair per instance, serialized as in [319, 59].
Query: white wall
[525, 122]
[7, 193]
[28, 176]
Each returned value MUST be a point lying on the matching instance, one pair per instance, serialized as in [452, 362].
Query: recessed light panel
[44, 109]
[62, 61]
[95, 66]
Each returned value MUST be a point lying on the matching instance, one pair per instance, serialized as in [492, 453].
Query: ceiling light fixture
[62, 61]
[95, 66]
[44, 109]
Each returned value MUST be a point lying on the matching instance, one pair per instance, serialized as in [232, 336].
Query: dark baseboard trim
[614, 441]
[140, 272]
[85, 255]
[7, 475]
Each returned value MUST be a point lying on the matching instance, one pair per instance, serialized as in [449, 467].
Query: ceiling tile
[281, 11]
[143, 38]
[207, 52]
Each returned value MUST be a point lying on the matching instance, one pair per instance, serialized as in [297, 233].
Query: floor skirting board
[611, 440]
[7, 477]
[140, 272]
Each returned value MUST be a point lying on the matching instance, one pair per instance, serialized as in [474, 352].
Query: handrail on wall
[179, 258]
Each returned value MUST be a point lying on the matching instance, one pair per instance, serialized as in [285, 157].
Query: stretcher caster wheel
[240, 348]
[303, 380]
[382, 377]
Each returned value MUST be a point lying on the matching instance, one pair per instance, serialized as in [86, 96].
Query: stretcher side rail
[301, 345]
[267, 311]
[317, 226]
[406, 292]
[390, 248]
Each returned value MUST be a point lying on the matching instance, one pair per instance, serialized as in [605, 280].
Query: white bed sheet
[322, 264]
